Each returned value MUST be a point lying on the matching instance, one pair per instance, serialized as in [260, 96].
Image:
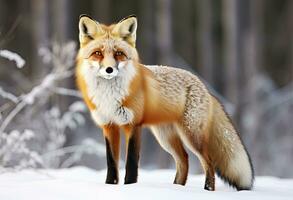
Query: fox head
[108, 49]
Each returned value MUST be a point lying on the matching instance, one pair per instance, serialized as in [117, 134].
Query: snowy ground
[85, 184]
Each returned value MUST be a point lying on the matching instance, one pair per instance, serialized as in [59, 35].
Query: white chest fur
[108, 94]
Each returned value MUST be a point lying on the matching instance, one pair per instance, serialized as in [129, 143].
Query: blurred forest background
[243, 50]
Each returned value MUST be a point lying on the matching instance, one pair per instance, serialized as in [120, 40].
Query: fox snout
[108, 72]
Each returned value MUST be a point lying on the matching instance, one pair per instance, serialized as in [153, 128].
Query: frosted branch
[20, 62]
[11, 115]
[67, 92]
[30, 97]
[62, 59]
[87, 146]
[8, 95]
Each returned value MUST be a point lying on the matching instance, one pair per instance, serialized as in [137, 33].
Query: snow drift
[86, 184]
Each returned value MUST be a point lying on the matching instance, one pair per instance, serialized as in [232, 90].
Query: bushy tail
[232, 162]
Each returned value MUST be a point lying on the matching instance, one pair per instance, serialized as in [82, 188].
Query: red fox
[122, 93]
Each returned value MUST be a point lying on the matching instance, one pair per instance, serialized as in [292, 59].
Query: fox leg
[209, 172]
[167, 137]
[195, 141]
[133, 148]
[112, 138]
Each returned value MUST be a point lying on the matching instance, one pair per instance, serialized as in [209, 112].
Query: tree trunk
[206, 43]
[40, 34]
[61, 12]
[102, 11]
[146, 32]
[291, 42]
[232, 56]
[163, 31]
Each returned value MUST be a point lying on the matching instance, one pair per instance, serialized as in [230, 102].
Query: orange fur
[156, 109]
[111, 132]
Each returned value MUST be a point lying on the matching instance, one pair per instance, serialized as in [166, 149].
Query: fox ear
[126, 29]
[88, 29]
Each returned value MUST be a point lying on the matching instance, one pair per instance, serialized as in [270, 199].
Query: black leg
[210, 179]
[112, 138]
[132, 156]
[209, 184]
[112, 171]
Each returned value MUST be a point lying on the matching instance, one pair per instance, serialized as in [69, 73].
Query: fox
[121, 93]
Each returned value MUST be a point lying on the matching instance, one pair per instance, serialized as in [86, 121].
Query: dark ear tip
[85, 15]
[128, 17]
[131, 16]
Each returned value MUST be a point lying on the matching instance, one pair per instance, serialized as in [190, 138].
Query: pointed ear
[88, 29]
[126, 29]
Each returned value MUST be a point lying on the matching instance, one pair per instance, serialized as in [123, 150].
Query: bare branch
[8, 95]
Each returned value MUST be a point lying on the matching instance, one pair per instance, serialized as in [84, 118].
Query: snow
[83, 183]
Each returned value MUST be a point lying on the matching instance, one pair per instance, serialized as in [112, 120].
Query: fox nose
[109, 70]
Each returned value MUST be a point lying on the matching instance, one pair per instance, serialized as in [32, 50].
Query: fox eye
[119, 53]
[98, 53]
